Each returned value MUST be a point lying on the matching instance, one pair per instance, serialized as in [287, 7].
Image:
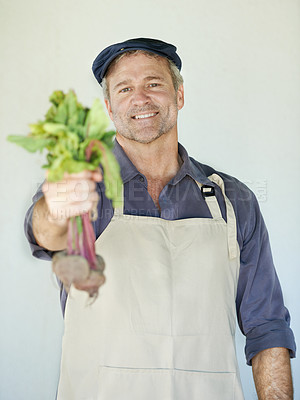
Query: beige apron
[163, 325]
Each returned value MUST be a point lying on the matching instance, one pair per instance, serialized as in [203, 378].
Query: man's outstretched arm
[272, 374]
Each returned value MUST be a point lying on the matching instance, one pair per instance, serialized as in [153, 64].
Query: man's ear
[108, 107]
[180, 97]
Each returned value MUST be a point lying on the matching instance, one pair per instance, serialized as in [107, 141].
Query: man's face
[143, 103]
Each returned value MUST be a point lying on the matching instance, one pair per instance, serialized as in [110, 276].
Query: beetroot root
[94, 280]
[74, 269]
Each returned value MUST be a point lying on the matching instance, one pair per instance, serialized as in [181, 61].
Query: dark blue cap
[163, 49]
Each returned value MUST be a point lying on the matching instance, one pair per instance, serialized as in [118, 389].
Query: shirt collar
[129, 171]
[196, 172]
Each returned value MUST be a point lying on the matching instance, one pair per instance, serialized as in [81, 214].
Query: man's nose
[140, 96]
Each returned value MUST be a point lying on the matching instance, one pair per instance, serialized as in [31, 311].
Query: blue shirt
[261, 314]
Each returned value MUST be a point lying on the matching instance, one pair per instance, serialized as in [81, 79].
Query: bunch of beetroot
[76, 139]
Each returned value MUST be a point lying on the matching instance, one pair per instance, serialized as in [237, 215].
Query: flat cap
[163, 49]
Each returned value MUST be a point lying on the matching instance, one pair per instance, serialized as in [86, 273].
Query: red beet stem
[89, 150]
[76, 237]
[71, 244]
[89, 241]
[69, 248]
[80, 240]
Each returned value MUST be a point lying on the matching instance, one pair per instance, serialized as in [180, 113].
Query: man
[185, 253]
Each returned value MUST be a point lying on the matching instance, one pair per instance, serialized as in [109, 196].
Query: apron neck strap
[230, 216]
[212, 203]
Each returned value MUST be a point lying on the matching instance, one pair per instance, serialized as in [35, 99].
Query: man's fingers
[69, 190]
[71, 210]
[81, 188]
[97, 175]
[93, 175]
[63, 199]
[74, 195]
[79, 175]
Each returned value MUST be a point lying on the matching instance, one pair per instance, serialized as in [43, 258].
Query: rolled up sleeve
[262, 315]
[271, 334]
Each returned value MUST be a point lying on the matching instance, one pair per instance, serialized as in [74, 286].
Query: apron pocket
[134, 384]
[119, 383]
[195, 385]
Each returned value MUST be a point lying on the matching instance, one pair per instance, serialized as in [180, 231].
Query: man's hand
[75, 195]
[272, 374]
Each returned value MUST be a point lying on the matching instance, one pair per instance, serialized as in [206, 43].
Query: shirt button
[141, 179]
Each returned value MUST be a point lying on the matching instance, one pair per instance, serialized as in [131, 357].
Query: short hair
[176, 76]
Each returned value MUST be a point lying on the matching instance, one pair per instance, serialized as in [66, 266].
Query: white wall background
[241, 63]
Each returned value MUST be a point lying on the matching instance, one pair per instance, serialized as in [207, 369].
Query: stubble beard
[127, 128]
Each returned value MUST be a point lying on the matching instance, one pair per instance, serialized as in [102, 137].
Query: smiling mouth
[143, 116]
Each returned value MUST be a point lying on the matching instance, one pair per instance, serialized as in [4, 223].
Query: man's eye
[153, 84]
[124, 90]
